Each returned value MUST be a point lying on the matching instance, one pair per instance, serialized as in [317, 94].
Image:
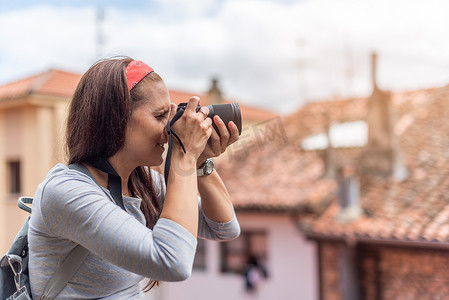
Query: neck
[123, 169]
[120, 166]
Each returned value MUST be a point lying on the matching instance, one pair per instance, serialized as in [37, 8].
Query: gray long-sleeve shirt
[69, 208]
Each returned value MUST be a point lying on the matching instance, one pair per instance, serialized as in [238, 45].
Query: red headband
[136, 71]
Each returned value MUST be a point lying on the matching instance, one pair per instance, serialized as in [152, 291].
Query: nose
[164, 132]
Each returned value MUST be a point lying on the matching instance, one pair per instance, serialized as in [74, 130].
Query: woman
[119, 113]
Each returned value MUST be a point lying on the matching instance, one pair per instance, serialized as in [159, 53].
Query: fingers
[194, 127]
[224, 133]
[204, 111]
[201, 114]
[228, 137]
[234, 133]
[219, 142]
[192, 104]
[214, 144]
[173, 108]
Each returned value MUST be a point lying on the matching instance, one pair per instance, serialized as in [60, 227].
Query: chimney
[381, 156]
[329, 152]
[348, 194]
[214, 93]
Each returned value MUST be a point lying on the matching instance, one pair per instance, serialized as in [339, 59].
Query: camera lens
[227, 112]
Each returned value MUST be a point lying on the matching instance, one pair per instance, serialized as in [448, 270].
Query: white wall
[291, 266]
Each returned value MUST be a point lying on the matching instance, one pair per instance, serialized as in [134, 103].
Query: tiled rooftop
[63, 84]
[278, 175]
[50, 83]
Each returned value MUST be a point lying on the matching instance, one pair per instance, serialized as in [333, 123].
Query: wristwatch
[206, 168]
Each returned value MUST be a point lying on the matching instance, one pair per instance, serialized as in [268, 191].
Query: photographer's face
[145, 134]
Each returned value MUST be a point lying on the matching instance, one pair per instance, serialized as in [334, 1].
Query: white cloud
[269, 53]
[39, 38]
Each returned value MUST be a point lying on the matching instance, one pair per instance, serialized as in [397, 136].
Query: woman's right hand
[181, 202]
[193, 128]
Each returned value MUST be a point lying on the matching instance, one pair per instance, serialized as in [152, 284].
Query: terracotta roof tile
[279, 175]
[63, 84]
[418, 207]
[58, 83]
[18, 88]
[51, 83]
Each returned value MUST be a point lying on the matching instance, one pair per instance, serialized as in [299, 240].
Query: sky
[277, 55]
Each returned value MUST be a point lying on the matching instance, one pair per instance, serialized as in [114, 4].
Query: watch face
[209, 167]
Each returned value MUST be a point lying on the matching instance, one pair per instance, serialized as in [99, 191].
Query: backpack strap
[65, 272]
[23, 202]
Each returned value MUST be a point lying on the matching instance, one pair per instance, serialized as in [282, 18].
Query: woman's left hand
[217, 144]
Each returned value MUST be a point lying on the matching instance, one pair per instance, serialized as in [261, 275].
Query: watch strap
[200, 172]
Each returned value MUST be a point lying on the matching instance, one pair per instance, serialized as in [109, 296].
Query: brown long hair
[98, 115]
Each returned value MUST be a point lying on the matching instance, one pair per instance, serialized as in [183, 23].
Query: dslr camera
[227, 112]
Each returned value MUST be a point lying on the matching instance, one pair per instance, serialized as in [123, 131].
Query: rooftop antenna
[99, 37]
[302, 66]
[349, 72]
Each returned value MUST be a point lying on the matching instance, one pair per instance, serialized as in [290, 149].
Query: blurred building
[32, 113]
[344, 199]
[32, 124]
[366, 180]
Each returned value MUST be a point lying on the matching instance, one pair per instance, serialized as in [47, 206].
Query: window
[14, 175]
[199, 263]
[237, 254]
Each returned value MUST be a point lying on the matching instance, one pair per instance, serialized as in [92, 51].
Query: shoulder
[63, 186]
[62, 177]
[64, 193]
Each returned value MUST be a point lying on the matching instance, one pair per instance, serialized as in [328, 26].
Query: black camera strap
[114, 180]
[171, 133]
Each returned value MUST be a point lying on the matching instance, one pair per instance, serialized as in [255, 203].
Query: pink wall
[291, 265]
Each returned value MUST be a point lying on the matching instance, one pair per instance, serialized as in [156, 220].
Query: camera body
[226, 112]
